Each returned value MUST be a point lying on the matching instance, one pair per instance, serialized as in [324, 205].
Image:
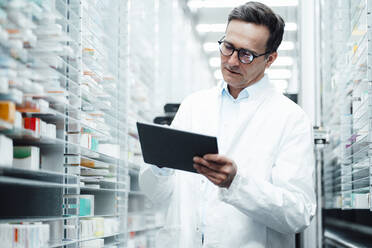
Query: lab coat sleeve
[287, 203]
[156, 183]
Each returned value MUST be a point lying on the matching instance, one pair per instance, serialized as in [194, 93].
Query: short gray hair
[260, 14]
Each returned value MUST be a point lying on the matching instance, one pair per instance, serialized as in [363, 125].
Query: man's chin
[232, 80]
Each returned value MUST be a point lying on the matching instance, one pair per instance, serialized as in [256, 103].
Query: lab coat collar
[249, 91]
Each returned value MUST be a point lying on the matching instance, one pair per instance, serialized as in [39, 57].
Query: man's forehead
[247, 35]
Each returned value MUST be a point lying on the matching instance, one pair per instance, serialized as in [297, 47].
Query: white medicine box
[6, 151]
[26, 157]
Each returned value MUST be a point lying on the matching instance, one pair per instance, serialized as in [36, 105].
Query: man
[258, 191]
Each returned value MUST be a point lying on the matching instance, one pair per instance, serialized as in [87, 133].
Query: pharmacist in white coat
[258, 191]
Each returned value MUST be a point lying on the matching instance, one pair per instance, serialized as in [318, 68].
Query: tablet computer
[167, 147]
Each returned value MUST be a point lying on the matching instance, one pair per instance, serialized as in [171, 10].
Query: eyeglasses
[245, 56]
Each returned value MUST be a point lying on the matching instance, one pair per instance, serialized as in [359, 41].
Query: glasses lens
[245, 56]
[226, 49]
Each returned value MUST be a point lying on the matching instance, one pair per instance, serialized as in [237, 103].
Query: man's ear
[272, 57]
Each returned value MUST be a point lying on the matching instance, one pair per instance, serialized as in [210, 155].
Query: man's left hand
[220, 170]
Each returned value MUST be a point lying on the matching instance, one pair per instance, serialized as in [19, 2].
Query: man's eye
[227, 46]
[246, 53]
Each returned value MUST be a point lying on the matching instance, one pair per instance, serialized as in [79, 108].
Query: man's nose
[234, 59]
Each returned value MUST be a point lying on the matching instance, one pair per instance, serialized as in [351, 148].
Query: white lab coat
[271, 197]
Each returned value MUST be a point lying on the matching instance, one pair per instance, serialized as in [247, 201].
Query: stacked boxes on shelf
[346, 177]
[142, 71]
[32, 235]
[6, 151]
[59, 115]
[102, 124]
[99, 227]
[74, 77]
[346, 80]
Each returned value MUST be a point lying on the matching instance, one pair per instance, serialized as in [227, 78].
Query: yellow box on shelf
[99, 224]
[7, 111]
[87, 163]
[92, 227]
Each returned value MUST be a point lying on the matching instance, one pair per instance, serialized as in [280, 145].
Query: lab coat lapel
[211, 123]
[244, 120]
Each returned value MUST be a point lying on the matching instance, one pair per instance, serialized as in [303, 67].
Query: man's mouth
[233, 72]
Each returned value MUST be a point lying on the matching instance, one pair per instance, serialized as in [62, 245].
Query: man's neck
[234, 92]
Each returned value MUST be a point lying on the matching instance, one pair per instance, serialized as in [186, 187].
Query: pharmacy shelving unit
[347, 108]
[60, 64]
[141, 70]
[75, 76]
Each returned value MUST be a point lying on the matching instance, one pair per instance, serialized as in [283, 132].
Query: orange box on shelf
[28, 106]
[87, 163]
[7, 111]
[32, 123]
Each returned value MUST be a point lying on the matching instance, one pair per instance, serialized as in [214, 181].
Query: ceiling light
[215, 62]
[218, 74]
[283, 61]
[210, 46]
[281, 85]
[286, 45]
[195, 4]
[203, 28]
[290, 26]
[279, 73]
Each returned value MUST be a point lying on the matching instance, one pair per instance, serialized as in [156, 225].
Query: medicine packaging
[7, 111]
[13, 95]
[6, 151]
[26, 157]
[110, 150]
[24, 235]
[18, 120]
[97, 243]
[86, 205]
[33, 124]
[4, 85]
[51, 131]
